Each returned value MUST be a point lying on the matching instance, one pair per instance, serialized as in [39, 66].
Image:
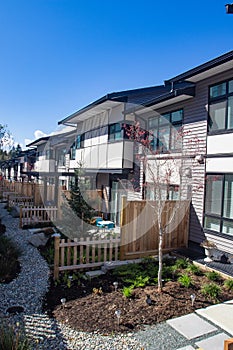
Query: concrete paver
[191, 326]
[213, 343]
[220, 314]
[188, 347]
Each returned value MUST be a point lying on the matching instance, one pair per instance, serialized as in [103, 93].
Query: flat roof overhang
[90, 111]
[218, 65]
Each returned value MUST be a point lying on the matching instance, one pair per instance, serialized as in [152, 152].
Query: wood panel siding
[195, 121]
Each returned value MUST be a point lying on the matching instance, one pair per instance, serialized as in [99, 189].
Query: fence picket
[32, 215]
[80, 249]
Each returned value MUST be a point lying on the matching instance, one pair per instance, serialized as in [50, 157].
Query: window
[164, 131]
[48, 154]
[221, 107]
[167, 192]
[91, 134]
[115, 132]
[219, 203]
[73, 151]
[61, 157]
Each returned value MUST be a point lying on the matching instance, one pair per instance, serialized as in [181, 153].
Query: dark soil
[87, 310]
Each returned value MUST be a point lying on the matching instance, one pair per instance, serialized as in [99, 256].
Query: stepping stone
[94, 273]
[213, 343]
[221, 315]
[191, 326]
[188, 347]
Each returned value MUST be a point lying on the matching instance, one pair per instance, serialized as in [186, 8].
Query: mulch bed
[86, 310]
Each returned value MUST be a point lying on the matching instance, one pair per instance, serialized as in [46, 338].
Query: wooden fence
[36, 215]
[140, 233]
[83, 253]
[19, 200]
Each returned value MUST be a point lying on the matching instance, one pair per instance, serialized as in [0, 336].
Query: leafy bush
[141, 281]
[185, 280]
[211, 290]
[194, 269]
[128, 291]
[181, 263]
[12, 339]
[228, 284]
[213, 276]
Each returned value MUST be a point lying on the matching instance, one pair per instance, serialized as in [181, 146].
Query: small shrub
[185, 280]
[128, 291]
[181, 263]
[194, 269]
[213, 276]
[141, 281]
[211, 290]
[228, 284]
[12, 339]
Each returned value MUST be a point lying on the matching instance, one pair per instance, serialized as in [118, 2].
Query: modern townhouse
[207, 120]
[104, 150]
[201, 102]
[19, 167]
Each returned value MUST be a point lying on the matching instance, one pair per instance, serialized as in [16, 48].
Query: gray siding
[195, 121]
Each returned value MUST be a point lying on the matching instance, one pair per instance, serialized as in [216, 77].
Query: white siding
[220, 144]
[219, 165]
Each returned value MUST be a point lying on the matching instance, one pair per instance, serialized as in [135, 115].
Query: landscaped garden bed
[93, 305]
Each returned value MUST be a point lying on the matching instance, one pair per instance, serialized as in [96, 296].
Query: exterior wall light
[200, 159]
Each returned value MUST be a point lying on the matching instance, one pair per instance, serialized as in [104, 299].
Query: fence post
[56, 255]
[123, 205]
[122, 223]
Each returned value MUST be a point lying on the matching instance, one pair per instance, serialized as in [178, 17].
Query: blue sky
[59, 55]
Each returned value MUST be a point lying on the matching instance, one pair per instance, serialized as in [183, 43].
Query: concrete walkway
[206, 328]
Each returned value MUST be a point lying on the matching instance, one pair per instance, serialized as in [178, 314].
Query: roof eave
[202, 68]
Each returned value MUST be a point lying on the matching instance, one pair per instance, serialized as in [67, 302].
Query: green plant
[128, 291]
[213, 276]
[181, 263]
[211, 290]
[12, 339]
[228, 284]
[194, 269]
[185, 280]
[141, 281]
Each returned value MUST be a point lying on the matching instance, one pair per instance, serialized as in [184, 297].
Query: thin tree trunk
[160, 283]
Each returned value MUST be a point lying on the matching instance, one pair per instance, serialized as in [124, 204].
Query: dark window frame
[113, 131]
[171, 125]
[220, 216]
[218, 99]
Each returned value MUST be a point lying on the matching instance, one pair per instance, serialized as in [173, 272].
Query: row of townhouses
[199, 101]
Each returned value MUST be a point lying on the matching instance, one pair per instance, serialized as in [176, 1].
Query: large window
[164, 131]
[219, 203]
[221, 107]
[167, 192]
